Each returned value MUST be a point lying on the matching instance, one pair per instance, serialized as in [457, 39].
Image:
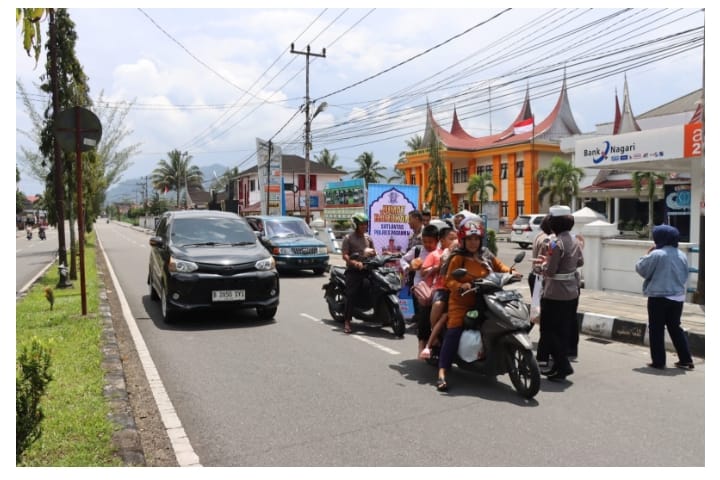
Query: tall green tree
[560, 181]
[649, 182]
[221, 183]
[176, 173]
[436, 193]
[479, 185]
[369, 168]
[328, 159]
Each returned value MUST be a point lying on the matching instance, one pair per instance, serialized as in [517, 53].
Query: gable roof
[297, 164]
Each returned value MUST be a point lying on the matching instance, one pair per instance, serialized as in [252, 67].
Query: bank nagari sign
[678, 141]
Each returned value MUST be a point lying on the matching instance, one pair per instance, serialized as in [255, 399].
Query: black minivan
[208, 259]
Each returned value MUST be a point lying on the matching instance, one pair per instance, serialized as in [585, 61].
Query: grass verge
[77, 430]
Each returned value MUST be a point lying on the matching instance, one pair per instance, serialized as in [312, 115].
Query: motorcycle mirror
[459, 273]
[355, 256]
[519, 257]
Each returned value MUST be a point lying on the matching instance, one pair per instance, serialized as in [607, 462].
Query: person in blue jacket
[665, 272]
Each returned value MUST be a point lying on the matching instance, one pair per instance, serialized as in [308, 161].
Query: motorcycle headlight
[181, 266]
[265, 264]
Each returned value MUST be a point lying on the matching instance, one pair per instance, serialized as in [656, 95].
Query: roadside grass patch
[76, 430]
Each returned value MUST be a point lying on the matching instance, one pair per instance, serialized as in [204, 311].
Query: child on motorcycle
[479, 262]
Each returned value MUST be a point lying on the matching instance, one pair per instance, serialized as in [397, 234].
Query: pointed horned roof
[559, 123]
[627, 120]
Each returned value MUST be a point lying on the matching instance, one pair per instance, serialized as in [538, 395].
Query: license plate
[518, 231]
[228, 295]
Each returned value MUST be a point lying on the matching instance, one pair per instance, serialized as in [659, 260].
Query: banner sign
[343, 199]
[678, 141]
[270, 178]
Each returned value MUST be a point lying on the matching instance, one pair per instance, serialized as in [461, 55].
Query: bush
[492, 241]
[31, 379]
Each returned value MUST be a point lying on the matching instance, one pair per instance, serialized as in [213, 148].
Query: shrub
[31, 379]
[492, 241]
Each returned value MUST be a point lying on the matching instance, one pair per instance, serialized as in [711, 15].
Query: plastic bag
[535, 302]
[470, 347]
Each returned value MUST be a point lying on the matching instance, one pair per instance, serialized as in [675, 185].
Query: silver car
[525, 228]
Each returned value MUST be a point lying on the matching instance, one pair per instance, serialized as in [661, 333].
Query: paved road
[296, 391]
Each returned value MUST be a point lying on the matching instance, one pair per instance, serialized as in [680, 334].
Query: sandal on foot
[348, 328]
[441, 385]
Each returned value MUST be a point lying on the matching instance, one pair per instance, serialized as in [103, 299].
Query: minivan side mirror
[157, 242]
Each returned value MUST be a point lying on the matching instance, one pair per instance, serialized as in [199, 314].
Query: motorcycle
[505, 324]
[28, 233]
[379, 303]
[41, 233]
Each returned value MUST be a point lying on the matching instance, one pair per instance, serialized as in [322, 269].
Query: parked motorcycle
[504, 320]
[379, 303]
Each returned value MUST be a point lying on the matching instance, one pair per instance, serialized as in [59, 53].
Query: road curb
[630, 331]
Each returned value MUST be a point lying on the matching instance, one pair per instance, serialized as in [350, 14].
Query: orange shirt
[459, 305]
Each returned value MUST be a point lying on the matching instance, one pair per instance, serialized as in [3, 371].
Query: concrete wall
[610, 262]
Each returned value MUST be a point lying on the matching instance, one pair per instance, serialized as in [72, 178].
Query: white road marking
[184, 452]
[360, 338]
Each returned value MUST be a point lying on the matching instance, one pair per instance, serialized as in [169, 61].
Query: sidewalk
[620, 317]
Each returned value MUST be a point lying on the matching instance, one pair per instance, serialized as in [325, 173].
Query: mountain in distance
[133, 189]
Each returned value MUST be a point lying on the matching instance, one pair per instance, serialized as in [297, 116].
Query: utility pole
[308, 146]
[267, 179]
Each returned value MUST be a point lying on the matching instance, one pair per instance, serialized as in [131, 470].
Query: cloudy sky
[210, 81]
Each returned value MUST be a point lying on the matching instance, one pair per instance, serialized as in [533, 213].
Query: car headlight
[322, 250]
[181, 266]
[282, 251]
[265, 264]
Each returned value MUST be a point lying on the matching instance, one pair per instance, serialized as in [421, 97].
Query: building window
[503, 171]
[519, 169]
[252, 185]
[503, 209]
[520, 205]
[484, 169]
[479, 170]
[488, 169]
[460, 175]
[412, 179]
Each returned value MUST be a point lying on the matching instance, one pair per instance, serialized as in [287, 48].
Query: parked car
[525, 228]
[291, 242]
[207, 259]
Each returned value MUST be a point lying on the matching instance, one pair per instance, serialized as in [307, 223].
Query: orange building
[512, 157]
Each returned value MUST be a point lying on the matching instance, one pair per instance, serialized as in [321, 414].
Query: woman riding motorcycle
[479, 262]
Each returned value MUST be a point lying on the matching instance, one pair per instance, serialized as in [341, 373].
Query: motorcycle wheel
[397, 321]
[336, 305]
[524, 371]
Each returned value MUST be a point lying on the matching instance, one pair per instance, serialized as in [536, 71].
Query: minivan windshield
[211, 231]
[288, 228]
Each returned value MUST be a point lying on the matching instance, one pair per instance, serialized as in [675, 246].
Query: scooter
[41, 233]
[28, 234]
[504, 324]
[379, 304]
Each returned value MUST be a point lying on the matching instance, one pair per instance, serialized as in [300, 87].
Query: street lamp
[308, 147]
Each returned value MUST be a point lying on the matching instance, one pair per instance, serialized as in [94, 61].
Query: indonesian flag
[523, 126]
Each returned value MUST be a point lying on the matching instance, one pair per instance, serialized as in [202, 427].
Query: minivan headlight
[181, 266]
[265, 264]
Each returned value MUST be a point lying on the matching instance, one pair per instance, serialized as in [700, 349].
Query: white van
[525, 228]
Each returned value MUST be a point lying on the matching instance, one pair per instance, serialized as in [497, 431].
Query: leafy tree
[369, 168]
[32, 35]
[413, 143]
[222, 182]
[176, 173]
[19, 196]
[479, 184]
[328, 159]
[158, 205]
[560, 181]
[649, 180]
[436, 191]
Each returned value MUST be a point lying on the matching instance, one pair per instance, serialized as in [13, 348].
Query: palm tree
[651, 180]
[414, 143]
[328, 159]
[369, 168]
[176, 174]
[561, 181]
[479, 184]
[397, 177]
[437, 189]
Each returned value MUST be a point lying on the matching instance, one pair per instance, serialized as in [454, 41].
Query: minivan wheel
[168, 313]
[524, 245]
[153, 294]
[266, 313]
